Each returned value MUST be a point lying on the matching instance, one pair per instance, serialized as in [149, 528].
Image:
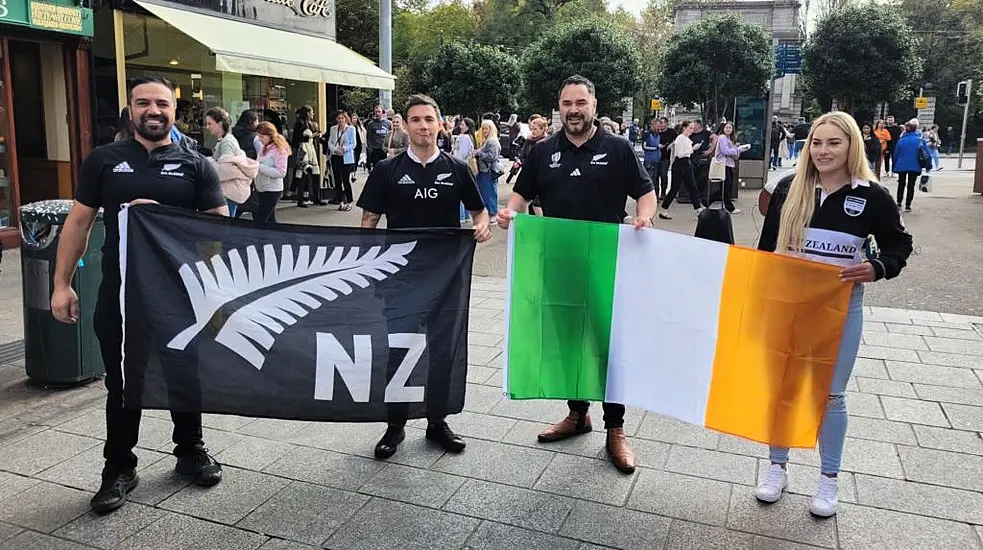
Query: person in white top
[682, 171]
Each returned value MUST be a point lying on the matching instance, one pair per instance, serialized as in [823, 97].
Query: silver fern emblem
[319, 279]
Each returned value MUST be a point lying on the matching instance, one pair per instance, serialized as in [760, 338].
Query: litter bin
[58, 354]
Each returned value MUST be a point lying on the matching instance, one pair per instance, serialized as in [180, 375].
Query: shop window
[6, 156]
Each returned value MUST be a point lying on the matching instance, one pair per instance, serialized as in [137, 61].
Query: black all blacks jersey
[413, 196]
[841, 223]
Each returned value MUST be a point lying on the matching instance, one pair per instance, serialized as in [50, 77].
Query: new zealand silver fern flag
[295, 322]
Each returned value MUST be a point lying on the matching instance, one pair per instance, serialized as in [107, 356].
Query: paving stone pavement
[913, 467]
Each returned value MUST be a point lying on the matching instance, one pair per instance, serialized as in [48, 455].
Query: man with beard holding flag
[148, 168]
[585, 173]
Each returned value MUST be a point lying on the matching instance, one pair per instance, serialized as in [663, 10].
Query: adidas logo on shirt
[123, 167]
[406, 180]
[575, 173]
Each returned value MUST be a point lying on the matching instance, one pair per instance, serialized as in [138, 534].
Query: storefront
[269, 56]
[45, 103]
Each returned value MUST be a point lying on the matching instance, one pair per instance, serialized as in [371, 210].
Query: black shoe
[334, 201]
[200, 467]
[664, 216]
[387, 446]
[441, 434]
[301, 205]
[112, 493]
[907, 208]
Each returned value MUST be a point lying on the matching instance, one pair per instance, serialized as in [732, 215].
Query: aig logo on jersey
[426, 193]
[170, 170]
[854, 206]
[556, 160]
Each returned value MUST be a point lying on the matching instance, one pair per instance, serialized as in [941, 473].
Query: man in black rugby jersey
[421, 187]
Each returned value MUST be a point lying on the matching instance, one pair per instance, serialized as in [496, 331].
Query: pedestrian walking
[421, 187]
[934, 142]
[235, 170]
[342, 139]
[245, 132]
[377, 131]
[463, 145]
[833, 204]
[799, 133]
[667, 136]
[489, 167]
[148, 168]
[272, 152]
[887, 147]
[910, 158]
[584, 173]
[359, 143]
[307, 166]
[873, 149]
[727, 152]
[894, 131]
[652, 153]
[682, 172]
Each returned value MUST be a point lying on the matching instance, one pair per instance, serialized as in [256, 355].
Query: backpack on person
[714, 224]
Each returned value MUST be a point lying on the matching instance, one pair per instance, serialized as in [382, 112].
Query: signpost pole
[962, 136]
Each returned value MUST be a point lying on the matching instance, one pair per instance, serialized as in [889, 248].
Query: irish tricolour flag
[733, 339]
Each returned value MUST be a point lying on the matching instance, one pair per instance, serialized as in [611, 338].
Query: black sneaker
[199, 467]
[387, 446]
[907, 208]
[441, 434]
[112, 493]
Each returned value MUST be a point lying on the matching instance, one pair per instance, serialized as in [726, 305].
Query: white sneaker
[771, 487]
[735, 211]
[824, 501]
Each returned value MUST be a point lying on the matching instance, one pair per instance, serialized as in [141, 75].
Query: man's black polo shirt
[412, 195]
[591, 182]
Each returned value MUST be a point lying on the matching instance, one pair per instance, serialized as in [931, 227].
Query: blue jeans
[936, 162]
[797, 148]
[233, 208]
[488, 187]
[832, 433]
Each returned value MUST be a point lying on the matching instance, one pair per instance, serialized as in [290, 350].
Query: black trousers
[682, 174]
[123, 425]
[614, 413]
[342, 179]
[907, 180]
[728, 189]
[308, 188]
[887, 160]
[376, 156]
[266, 206]
[662, 185]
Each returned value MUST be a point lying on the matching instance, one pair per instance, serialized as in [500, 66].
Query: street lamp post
[962, 136]
[386, 47]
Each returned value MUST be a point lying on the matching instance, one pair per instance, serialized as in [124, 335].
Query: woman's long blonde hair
[801, 201]
[491, 126]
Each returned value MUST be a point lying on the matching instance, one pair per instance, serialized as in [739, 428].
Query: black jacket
[245, 137]
[872, 147]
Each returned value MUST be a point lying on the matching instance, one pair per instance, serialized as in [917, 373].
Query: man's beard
[151, 134]
[586, 122]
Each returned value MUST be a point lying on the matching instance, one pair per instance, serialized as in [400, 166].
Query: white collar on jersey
[859, 183]
[416, 159]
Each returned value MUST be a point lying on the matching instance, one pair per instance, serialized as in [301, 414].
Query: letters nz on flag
[294, 322]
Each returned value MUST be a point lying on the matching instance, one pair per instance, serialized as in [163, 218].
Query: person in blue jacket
[650, 145]
[909, 158]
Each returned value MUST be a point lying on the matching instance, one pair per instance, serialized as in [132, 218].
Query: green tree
[471, 78]
[357, 26]
[594, 48]
[714, 61]
[861, 55]
[420, 32]
[651, 33]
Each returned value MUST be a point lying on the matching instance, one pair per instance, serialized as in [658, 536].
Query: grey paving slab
[788, 518]
[957, 470]
[964, 417]
[870, 368]
[157, 482]
[741, 446]
[949, 440]
[84, 471]
[271, 428]
[914, 411]
[932, 374]
[918, 498]
[864, 404]
[304, 513]
[685, 535]
[586, 478]
[109, 530]
[951, 345]
[413, 485]
[495, 536]
[179, 532]
[765, 543]
[155, 434]
[875, 326]
[488, 376]
[281, 544]
[669, 430]
[511, 505]
[802, 480]
[864, 528]
[12, 484]
[535, 410]
[895, 340]
[888, 315]
[7, 531]
[91, 424]
[481, 399]
[480, 426]
[893, 354]
[342, 437]
[38, 541]
[956, 334]
[885, 387]
[657, 492]
[485, 339]
[341, 471]
[225, 422]
[947, 359]
[496, 462]
[44, 507]
[648, 453]
[44, 450]
[712, 464]
[254, 453]
[921, 330]
[961, 396]
[384, 524]
[616, 527]
[590, 444]
[239, 493]
[482, 355]
[881, 430]
[13, 430]
[871, 457]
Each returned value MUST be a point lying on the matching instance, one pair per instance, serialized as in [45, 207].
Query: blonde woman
[398, 141]
[488, 166]
[826, 214]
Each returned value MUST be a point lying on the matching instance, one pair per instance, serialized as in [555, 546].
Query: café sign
[306, 8]
[57, 15]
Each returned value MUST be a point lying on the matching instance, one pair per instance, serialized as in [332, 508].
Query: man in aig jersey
[421, 187]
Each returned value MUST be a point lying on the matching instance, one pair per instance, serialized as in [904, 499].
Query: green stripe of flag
[560, 308]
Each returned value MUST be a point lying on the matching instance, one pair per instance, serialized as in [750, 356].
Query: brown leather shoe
[568, 427]
[620, 451]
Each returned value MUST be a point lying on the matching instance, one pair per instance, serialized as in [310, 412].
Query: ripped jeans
[832, 433]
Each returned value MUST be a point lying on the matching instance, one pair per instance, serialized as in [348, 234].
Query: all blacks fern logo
[304, 283]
